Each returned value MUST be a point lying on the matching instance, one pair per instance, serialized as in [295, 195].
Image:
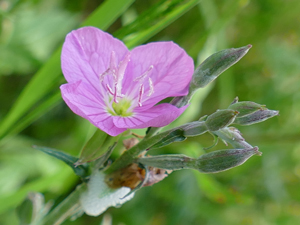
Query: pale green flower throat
[121, 108]
[120, 104]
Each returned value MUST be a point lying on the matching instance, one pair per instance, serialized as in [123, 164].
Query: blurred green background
[263, 191]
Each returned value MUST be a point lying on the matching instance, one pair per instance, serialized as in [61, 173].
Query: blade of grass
[154, 20]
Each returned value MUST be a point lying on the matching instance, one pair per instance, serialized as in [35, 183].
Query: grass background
[263, 191]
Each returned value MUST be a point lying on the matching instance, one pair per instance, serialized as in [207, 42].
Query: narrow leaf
[154, 20]
[80, 171]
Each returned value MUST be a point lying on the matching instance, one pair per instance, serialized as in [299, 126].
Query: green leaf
[153, 20]
[80, 171]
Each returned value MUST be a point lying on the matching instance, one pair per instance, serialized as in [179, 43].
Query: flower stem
[68, 207]
[128, 157]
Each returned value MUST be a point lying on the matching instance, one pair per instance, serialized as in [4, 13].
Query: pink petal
[87, 103]
[171, 75]
[86, 54]
[157, 116]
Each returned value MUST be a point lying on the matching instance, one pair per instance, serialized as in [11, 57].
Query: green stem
[68, 207]
[128, 157]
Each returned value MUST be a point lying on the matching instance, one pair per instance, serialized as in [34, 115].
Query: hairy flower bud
[216, 64]
[220, 119]
[256, 117]
[194, 128]
[212, 162]
[246, 107]
[221, 160]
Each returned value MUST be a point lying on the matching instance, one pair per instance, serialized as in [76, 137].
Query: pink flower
[117, 89]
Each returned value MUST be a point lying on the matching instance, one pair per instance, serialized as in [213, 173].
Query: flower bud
[256, 117]
[216, 64]
[218, 161]
[194, 128]
[220, 119]
[246, 107]
[212, 162]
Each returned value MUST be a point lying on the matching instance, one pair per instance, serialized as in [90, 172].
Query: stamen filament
[115, 94]
[141, 92]
[151, 88]
[144, 75]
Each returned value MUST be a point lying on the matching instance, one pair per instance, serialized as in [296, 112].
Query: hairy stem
[68, 207]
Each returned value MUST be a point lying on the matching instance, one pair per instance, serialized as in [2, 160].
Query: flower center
[117, 104]
[121, 108]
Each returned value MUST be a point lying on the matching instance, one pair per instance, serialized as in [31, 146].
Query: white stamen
[151, 88]
[102, 75]
[116, 94]
[141, 92]
[120, 74]
[144, 75]
[113, 61]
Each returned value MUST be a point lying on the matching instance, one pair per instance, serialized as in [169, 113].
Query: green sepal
[99, 163]
[96, 146]
[80, 170]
